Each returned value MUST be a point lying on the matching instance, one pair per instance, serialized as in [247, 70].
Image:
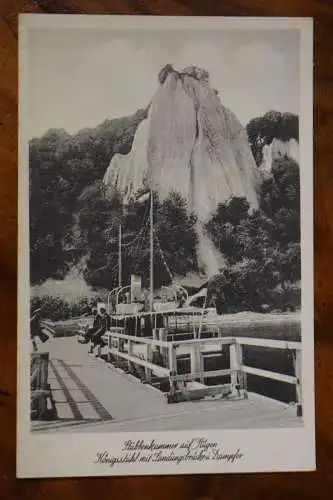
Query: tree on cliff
[61, 166]
[49, 208]
[174, 240]
[272, 125]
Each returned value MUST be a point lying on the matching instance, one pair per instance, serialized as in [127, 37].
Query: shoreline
[240, 318]
[243, 318]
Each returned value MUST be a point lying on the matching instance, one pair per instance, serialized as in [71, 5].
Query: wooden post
[117, 348]
[233, 365]
[151, 295]
[109, 348]
[194, 329]
[148, 371]
[297, 360]
[130, 347]
[119, 257]
[196, 361]
[162, 335]
[173, 368]
[238, 377]
[39, 382]
[200, 363]
[172, 359]
[242, 374]
[193, 359]
[130, 353]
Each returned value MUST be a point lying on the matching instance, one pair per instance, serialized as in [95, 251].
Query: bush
[251, 286]
[57, 309]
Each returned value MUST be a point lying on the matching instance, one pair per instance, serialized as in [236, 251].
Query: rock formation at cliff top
[192, 144]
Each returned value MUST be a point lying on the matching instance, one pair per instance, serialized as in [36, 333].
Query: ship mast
[119, 258]
[151, 297]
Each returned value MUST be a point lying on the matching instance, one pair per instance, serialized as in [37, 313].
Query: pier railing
[39, 386]
[158, 358]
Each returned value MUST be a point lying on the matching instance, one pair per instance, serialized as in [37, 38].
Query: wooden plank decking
[92, 396]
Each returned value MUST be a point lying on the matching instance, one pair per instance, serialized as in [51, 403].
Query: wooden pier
[126, 392]
[138, 352]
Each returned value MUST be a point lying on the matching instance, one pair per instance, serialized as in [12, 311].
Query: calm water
[283, 330]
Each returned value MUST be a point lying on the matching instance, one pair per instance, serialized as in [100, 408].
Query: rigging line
[163, 256]
[142, 230]
[143, 224]
[129, 243]
[140, 246]
[136, 248]
[141, 238]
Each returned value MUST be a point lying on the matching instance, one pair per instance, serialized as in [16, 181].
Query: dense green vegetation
[61, 167]
[99, 219]
[74, 216]
[262, 248]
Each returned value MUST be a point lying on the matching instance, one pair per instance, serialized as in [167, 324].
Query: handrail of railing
[270, 343]
[238, 370]
[289, 379]
[138, 340]
[158, 370]
[250, 341]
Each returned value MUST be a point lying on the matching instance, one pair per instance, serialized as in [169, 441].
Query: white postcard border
[52, 455]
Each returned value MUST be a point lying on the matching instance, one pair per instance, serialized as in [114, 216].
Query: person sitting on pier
[181, 298]
[103, 326]
[92, 330]
[36, 330]
[86, 309]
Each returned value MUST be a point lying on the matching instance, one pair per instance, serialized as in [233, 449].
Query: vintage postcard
[165, 294]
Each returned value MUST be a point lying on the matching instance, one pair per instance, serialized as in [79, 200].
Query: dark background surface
[310, 485]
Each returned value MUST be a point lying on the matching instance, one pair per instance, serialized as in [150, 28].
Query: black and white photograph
[165, 245]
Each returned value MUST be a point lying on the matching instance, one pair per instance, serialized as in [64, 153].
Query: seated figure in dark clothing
[91, 331]
[35, 328]
[104, 324]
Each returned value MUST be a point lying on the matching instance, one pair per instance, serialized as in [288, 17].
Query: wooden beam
[137, 340]
[271, 343]
[148, 371]
[172, 359]
[267, 374]
[186, 377]
[158, 370]
[195, 394]
[234, 364]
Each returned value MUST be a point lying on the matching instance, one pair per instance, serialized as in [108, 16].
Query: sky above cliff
[78, 78]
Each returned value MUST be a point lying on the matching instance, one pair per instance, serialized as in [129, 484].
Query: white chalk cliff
[192, 144]
[277, 149]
